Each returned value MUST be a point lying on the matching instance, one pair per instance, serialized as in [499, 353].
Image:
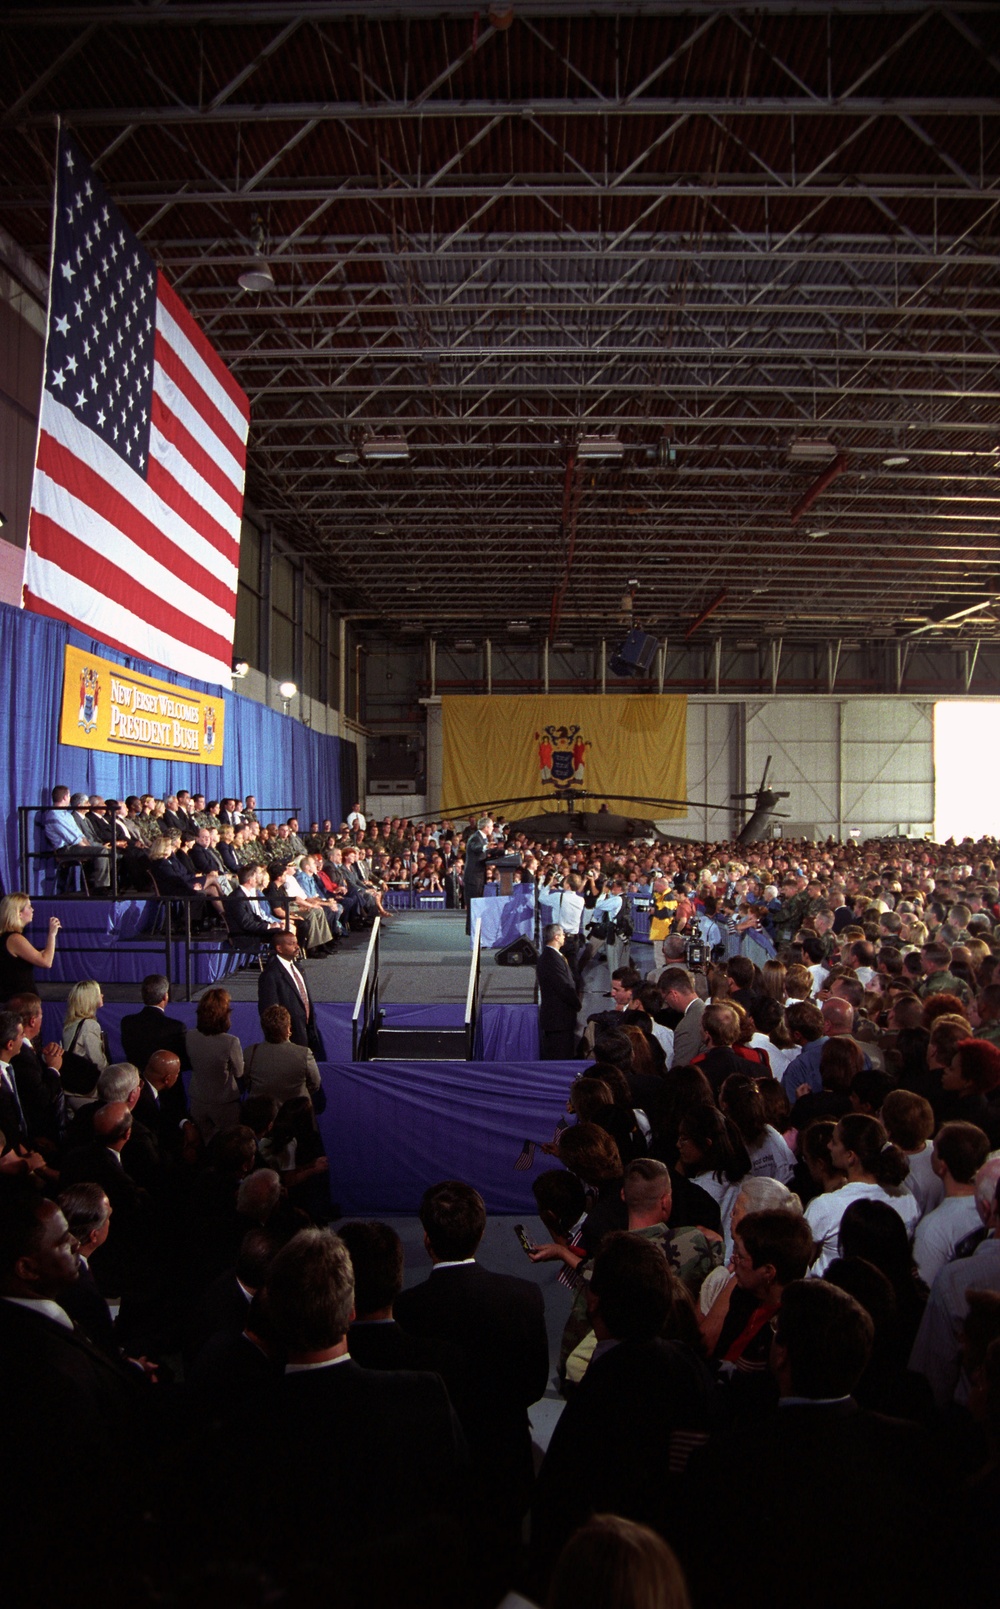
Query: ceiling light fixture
[241, 668]
[257, 275]
[384, 448]
[895, 461]
[811, 450]
[591, 447]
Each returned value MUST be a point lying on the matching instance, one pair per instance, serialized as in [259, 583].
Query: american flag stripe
[192, 454]
[138, 490]
[60, 515]
[188, 401]
[108, 621]
[87, 565]
[197, 352]
[198, 560]
[170, 458]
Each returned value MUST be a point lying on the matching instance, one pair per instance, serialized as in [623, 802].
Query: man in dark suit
[376, 1340]
[559, 1000]
[161, 1107]
[246, 912]
[477, 851]
[123, 1264]
[87, 1210]
[875, 1483]
[225, 1304]
[36, 1076]
[149, 1030]
[61, 1392]
[282, 984]
[498, 1323]
[387, 1444]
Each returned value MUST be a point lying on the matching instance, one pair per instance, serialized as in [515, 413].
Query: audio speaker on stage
[634, 656]
[519, 953]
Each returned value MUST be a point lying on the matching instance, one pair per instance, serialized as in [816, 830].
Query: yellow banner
[105, 706]
[542, 749]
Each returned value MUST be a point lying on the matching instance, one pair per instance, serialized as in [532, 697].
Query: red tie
[300, 985]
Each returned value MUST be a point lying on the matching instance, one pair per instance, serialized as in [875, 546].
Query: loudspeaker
[634, 656]
[519, 953]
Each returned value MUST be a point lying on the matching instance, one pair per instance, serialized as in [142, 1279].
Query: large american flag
[137, 497]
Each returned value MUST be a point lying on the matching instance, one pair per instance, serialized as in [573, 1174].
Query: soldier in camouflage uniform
[690, 1252]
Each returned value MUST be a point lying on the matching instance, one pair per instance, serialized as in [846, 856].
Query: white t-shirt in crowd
[779, 1059]
[772, 1159]
[940, 1232]
[921, 1181]
[823, 1216]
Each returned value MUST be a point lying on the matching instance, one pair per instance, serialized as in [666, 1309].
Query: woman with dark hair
[626, 1123]
[875, 1169]
[711, 1153]
[815, 1174]
[770, 1157]
[216, 1058]
[685, 1088]
[591, 1153]
[874, 1231]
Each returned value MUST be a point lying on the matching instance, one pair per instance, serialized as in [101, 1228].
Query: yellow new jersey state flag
[497, 750]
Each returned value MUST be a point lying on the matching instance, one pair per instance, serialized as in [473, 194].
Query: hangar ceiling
[755, 251]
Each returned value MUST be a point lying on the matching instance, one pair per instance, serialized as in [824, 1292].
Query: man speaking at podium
[477, 852]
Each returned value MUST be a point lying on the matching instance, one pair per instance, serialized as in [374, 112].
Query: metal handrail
[472, 993]
[364, 1021]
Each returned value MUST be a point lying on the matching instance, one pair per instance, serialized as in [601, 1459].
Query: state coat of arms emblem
[90, 695]
[562, 753]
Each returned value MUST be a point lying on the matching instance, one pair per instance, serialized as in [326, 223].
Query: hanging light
[257, 275]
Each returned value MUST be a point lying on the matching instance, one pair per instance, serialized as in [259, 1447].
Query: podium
[506, 866]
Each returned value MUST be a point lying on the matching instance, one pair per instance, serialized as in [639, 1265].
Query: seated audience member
[216, 1058]
[613, 1563]
[71, 835]
[874, 1169]
[960, 1149]
[18, 956]
[151, 1029]
[278, 1068]
[937, 1351]
[908, 1119]
[624, 1437]
[246, 912]
[874, 1480]
[375, 1339]
[497, 1322]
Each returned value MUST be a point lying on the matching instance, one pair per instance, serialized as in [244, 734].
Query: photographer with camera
[610, 927]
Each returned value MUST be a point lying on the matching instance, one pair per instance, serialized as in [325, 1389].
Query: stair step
[420, 1044]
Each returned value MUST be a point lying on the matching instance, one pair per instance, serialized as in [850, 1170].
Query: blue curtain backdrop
[267, 754]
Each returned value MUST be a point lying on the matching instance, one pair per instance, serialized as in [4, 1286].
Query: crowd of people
[772, 1211]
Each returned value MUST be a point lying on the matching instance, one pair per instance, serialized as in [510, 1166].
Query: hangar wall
[854, 764]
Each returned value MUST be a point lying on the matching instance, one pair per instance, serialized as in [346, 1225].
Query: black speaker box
[519, 953]
[634, 656]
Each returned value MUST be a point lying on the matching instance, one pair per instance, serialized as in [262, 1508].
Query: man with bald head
[162, 1105]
